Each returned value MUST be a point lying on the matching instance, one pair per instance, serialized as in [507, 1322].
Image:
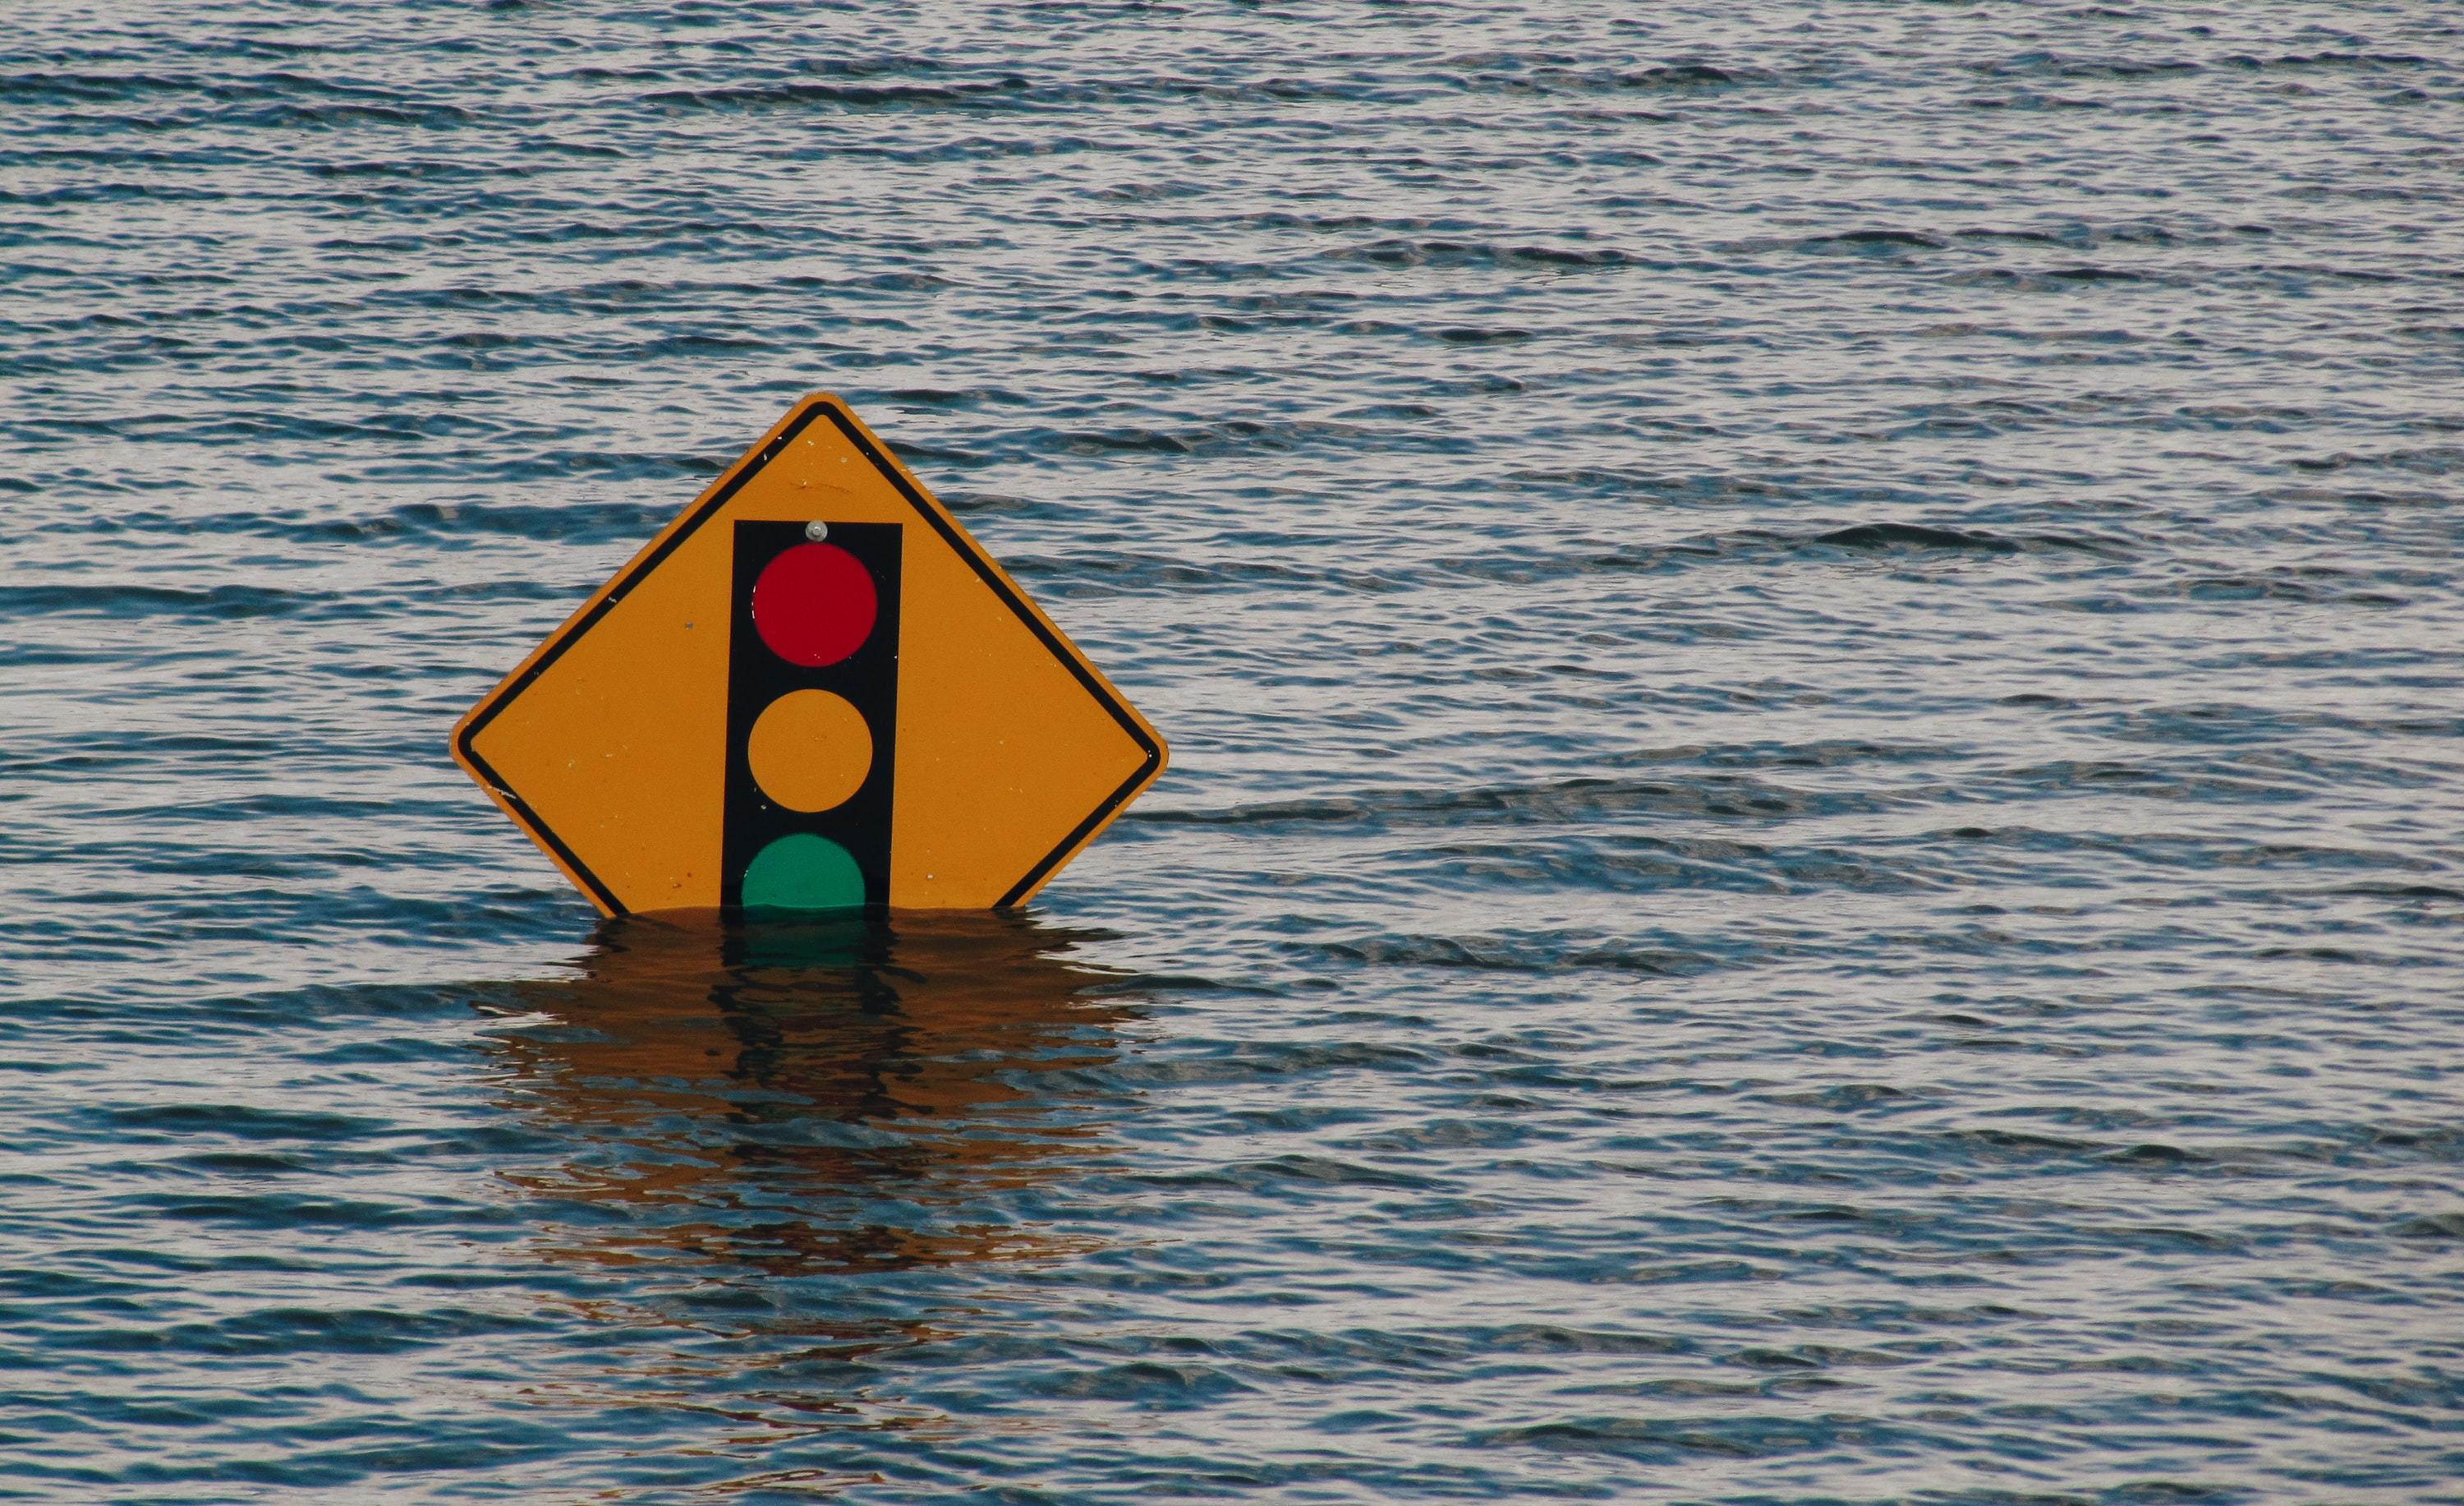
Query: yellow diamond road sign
[813, 689]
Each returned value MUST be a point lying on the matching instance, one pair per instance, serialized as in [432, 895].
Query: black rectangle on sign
[759, 676]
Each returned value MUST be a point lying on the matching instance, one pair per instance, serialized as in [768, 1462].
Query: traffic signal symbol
[812, 716]
[624, 744]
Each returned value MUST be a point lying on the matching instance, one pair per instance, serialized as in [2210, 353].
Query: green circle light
[803, 872]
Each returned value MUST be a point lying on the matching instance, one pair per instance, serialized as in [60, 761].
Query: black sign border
[819, 408]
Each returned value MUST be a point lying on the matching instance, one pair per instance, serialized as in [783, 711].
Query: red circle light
[814, 604]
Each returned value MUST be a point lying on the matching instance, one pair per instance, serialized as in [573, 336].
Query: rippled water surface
[1813, 851]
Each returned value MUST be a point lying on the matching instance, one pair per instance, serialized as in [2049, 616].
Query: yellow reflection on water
[829, 1096]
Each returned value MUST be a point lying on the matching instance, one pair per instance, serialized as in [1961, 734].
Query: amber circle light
[809, 751]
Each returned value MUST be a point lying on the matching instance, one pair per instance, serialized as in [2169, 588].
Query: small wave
[2358, 62]
[1689, 1441]
[1873, 240]
[800, 94]
[2060, 65]
[1400, 252]
[1523, 954]
[1913, 535]
[1723, 792]
[1657, 79]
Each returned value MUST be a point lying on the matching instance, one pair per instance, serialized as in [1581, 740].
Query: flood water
[1815, 850]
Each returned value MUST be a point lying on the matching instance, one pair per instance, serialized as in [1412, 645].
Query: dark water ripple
[1812, 656]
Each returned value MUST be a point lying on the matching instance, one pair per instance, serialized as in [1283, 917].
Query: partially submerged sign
[813, 689]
